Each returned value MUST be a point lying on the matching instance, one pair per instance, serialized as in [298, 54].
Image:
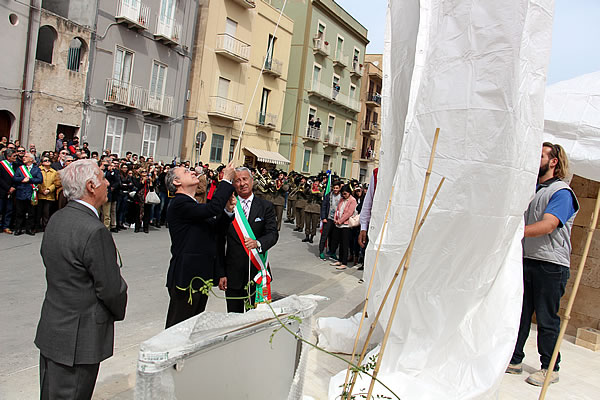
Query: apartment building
[239, 75]
[138, 76]
[322, 102]
[368, 134]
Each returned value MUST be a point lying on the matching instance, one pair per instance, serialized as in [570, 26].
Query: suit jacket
[57, 166]
[85, 291]
[6, 182]
[24, 190]
[194, 229]
[263, 222]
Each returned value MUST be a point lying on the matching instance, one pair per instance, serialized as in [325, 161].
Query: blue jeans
[162, 207]
[121, 209]
[543, 285]
[6, 208]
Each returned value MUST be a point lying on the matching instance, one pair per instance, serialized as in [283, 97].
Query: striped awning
[271, 157]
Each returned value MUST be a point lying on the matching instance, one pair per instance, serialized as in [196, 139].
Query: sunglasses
[46, 160]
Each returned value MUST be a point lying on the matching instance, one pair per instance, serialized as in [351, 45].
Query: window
[232, 145]
[123, 66]
[263, 106]
[167, 11]
[45, 45]
[343, 170]
[149, 140]
[312, 113]
[336, 87]
[223, 88]
[316, 76]
[231, 27]
[362, 175]
[75, 55]
[270, 50]
[216, 148]
[348, 133]
[326, 159]
[339, 48]
[321, 30]
[306, 161]
[157, 86]
[330, 126]
[115, 126]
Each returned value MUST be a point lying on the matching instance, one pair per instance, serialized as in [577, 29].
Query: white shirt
[365, 211]
[248, 201]
[88, 205]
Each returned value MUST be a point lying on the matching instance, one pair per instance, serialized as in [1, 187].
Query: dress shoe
[136, 230]
[30, 233]
[306, 239]
[18, 233]
[114, 230]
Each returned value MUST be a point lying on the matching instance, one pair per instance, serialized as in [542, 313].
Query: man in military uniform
[292, 197]
[312, 211]
[300, 204]
[280, 188]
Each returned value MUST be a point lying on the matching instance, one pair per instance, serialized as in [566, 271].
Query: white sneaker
[538, 377]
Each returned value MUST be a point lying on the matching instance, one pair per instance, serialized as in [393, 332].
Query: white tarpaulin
[477, 70]
[572, 113]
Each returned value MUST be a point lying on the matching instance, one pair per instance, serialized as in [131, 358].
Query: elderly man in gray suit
[85, 291]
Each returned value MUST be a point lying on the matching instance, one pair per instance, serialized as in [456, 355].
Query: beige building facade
[368, 133]
[239, 74]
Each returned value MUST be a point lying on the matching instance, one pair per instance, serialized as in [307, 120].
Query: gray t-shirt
[333, 203]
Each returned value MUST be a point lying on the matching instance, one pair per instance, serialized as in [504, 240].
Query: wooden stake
[364, 313]
[390, 286]
[567, 316]
[409, 251]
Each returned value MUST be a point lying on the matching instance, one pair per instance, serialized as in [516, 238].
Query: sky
[575, 41]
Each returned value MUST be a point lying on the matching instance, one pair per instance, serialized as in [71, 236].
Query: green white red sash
[26, 172]
[8, 168]
[260, 261]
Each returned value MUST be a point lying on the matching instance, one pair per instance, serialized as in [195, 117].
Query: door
[231, 27]
[115, 127]
[339, 50]
[263, 107]
[122, 66]
[316, 77]
[167, 11]
[157, 86]
[223, 89]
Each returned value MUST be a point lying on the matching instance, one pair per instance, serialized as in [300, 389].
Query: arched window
[75, 56]
[45, 45]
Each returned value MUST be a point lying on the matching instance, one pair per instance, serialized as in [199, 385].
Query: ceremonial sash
[260, 261]
[8, 168]
[26, 172]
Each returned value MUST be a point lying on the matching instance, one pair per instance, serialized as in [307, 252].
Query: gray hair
[242, 169]
[75, 177]
[169, 178]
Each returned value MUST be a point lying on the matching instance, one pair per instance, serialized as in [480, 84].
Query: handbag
[354, 220]
[152, 198]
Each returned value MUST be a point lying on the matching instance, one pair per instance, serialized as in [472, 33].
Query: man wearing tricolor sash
[252, 233]
[7, 189]
[27, 177]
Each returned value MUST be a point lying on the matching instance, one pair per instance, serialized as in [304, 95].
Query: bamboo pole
[387, 293]
[409, 251]
[567, 316]
[364, 312]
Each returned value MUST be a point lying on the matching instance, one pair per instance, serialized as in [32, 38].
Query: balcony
[340, 60]
[246, 3]
[330, 94]
[313, 134]
[157, 105]
[320, 46]
[123, 94]
[373, 100]
[267, 120]
[370, 128]
[357, 69]
[330, 139]
[232, 48]
[367, 155]
[225, 108]
[349, 144]
[133, 13]
[375, 72]
[273, 67]
[167, 31]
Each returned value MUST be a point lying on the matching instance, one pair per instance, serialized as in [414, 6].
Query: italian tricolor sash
[26, 172]
[260, 261]
[8, 168]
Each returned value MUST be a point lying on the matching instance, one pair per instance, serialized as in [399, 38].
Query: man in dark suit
[85, 291]
[261, 217]
[61, 163]
[194, 229]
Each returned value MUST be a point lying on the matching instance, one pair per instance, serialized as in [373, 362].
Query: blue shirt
[561, 206]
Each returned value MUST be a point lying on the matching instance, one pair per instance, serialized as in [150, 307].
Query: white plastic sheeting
[572, 113]
[477, 70]
[158, 355]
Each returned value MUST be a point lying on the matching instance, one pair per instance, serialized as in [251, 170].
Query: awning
[271, 157]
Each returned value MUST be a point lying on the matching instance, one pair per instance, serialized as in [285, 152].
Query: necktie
[246, 207]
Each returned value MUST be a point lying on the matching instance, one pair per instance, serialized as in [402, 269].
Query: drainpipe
[89, 77]
[24, 87]
[300, 95]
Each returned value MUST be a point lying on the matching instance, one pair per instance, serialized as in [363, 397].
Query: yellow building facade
[239, 75]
